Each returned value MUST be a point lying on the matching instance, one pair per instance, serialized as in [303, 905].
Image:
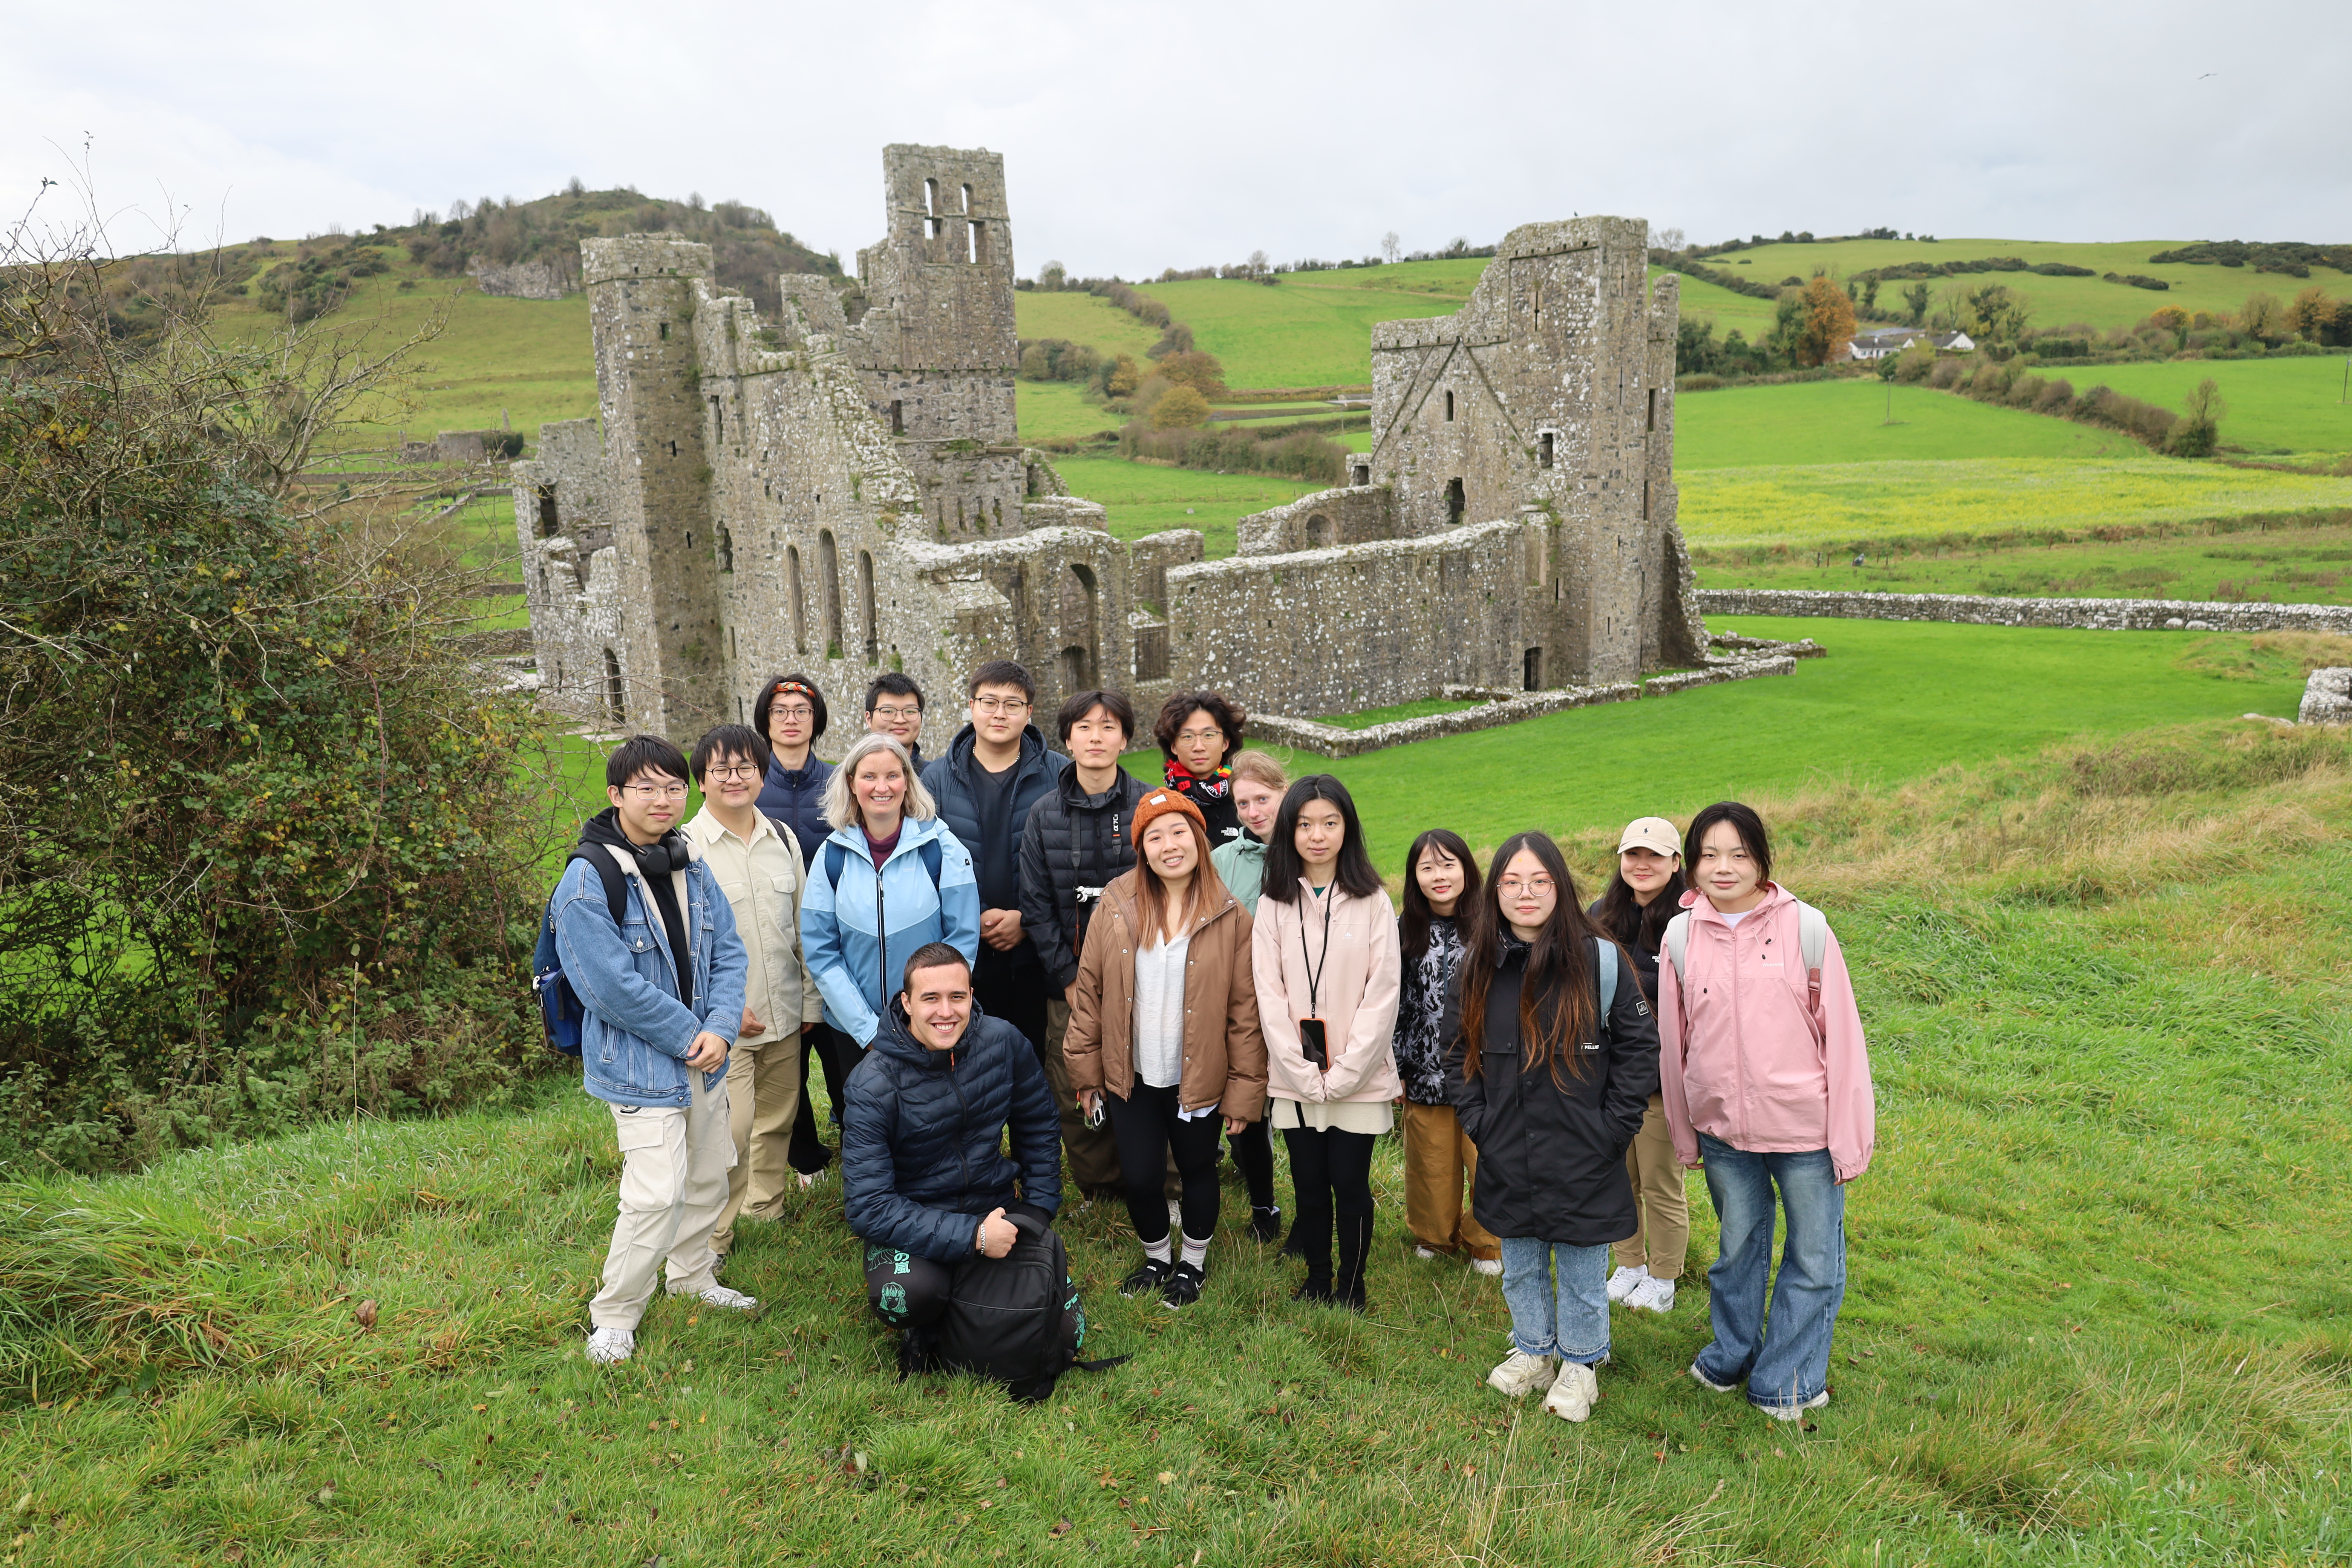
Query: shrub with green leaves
[265, 848]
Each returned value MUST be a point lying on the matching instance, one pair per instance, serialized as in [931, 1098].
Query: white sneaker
[1652, 1295]
[1795, 1412]
[1522, 1375]
[809, 1178]
[1705, 1382]
[1492, 1267]
[1575, 1392]
[607, 1346]
[720, 1296]
[1622, 1283]
[1426, 1252]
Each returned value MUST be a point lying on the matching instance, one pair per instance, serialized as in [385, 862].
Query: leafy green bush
[266, 851]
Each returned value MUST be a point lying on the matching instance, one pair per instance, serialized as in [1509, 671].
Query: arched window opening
[828, 569]
[1456, 503]
[793, 604]
[865, 607]
[1318, 532]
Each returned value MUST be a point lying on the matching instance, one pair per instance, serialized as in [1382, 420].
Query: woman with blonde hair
[889, 878]
[1164, 1038]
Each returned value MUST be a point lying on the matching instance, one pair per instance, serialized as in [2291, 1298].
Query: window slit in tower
[1654, 410]
[1544, 458]
[898, 416]
[1449, 406]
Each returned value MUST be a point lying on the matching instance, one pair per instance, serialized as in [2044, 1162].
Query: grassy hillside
[2056, 301]
[2093, 1312]
[1145, 498]
[2276, 406]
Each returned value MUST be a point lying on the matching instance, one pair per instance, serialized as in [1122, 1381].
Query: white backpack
[1812, 946]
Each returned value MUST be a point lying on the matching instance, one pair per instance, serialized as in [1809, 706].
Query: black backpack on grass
[1014, 1320]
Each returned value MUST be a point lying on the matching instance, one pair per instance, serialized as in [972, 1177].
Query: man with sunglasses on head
[756, 860]
[647, 942]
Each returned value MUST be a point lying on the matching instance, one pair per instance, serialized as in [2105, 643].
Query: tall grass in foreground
[2097, 1310]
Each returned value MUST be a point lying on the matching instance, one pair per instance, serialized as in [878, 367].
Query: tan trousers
[763, 1095]
[1093, 1153]
[1441, 1167]
[1659, 1200]
[673, 1168]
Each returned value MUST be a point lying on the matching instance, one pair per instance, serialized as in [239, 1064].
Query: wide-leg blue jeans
[1785, 1360]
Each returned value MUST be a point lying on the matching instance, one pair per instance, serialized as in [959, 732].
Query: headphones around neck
[664, 854]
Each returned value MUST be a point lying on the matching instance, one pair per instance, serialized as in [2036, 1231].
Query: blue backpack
[559, 1006]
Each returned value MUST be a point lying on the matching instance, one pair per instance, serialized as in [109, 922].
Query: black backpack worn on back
[1014, 1320]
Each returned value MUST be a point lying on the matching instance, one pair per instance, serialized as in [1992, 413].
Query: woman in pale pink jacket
[1765, 1080]
[1324, 958]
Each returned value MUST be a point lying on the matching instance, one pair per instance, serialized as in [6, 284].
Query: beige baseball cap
[1655, 833]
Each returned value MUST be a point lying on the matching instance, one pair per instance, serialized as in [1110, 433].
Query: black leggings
[1330, 1171]
[1253, 1148]
[1146, 1129]
[837, 1053]
[904, 1291]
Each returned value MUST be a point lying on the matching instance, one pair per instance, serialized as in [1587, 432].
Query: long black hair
[1560, 974]
[1353, 876]
[1413, 926]
[1634, 924]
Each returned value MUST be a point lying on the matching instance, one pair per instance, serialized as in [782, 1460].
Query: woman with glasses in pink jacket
[1766, 1081]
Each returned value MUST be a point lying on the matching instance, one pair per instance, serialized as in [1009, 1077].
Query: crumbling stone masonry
[843, 489]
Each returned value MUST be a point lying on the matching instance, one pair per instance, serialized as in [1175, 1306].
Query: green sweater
[1241, 864]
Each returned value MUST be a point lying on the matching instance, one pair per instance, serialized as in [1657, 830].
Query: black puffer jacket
[1073, 846]
[1551, 1150]
[921, 1156]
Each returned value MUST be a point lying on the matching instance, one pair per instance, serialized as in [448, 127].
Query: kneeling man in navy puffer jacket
[922, 1166]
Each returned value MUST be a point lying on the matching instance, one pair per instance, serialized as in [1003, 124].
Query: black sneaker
[1291, 1245]
[1313, 1293]
[1266, 1224]
[1148, 1276]
[1183, 1286]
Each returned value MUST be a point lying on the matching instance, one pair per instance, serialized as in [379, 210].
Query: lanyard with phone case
[1311, 1038]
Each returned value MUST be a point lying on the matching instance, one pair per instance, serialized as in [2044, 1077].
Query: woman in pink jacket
[1325, 957]
[1765, 1080]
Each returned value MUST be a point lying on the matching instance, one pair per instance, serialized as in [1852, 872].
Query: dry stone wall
[2096, 614]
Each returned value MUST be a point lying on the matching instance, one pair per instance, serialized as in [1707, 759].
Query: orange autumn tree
[1825, 321]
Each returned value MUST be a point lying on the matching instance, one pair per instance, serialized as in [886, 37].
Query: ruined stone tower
[642, 300]
[841, 491]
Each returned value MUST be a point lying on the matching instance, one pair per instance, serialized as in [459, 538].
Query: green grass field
[1143, 497]
[1801, 505]
[2094, 1311]
[2055, 301]
[1845, 422]
[2275, 406]
[2284, 565]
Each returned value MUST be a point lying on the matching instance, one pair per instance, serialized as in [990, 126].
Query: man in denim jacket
[663, 991]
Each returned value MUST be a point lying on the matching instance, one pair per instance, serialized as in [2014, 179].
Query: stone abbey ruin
[843, 490]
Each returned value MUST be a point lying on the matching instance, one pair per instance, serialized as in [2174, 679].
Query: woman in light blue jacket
[889, 878]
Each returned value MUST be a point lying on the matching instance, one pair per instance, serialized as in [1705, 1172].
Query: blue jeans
[1787, 1363]
[1569, 1320]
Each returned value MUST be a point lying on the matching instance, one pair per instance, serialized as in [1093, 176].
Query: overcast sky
[1141, 137]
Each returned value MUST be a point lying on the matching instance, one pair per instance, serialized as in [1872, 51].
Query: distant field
[1082, 319]
[1145, 498]
[2055, 301]
[1854, 501]
[1054, 411]
[2276, 404]
[2300, 565]
[1844, 422]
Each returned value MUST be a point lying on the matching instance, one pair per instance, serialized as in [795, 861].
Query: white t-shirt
[1733, 920]
[1160, 1012]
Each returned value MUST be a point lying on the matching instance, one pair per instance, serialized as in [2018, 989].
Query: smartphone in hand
[1311, 1040]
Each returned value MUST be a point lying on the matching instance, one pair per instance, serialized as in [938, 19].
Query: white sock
[1161, 1251]
[1196, 1254]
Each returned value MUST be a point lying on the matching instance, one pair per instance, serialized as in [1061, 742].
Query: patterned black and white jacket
[1421, 1009]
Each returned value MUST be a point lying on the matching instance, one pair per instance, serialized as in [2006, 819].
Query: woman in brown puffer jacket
[1163, 1034]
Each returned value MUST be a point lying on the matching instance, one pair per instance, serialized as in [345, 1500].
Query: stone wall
[2095, 614]
[1357, 514]
[1339, 630]
[2327, 697]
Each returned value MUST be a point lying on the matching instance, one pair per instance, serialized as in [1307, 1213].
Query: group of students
[1013, 954]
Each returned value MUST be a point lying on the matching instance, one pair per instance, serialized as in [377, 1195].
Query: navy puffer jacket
[921, 1156]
